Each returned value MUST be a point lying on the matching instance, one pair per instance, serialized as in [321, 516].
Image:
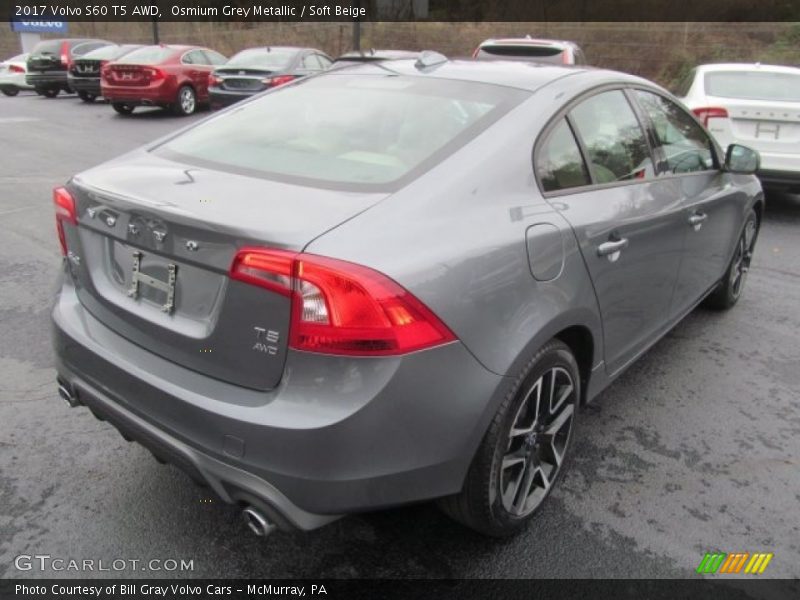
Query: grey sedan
[394, 282]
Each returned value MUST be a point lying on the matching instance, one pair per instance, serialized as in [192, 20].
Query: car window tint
[324, 61]
[559, 163]
[352, 130]
[195, 57]
[149, 55]
[682, 142]
[754, 85]
[615, 143]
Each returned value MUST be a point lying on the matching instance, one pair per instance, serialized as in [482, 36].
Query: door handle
[696, 220]
[612, 248]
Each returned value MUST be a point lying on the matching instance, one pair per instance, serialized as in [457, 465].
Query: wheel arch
[581, 343]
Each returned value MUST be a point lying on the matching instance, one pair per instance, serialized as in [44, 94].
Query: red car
[174, 77]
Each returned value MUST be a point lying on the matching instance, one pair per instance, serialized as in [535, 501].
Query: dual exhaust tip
[256, 521]
[67, 395]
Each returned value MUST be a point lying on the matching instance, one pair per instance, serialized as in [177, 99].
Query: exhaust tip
[257, 522]
[67, 395]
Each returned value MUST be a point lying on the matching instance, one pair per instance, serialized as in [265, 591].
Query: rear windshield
[151, 55]
[364, 132]
[262, 58]
[538, 53]
[47, 47]
[754, 85]
[105, 53]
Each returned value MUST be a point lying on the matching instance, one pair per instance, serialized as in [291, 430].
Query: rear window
[47, 47]
[104, 53]
[262, 58]
[754, 85]
[152, 55]
[363, 132]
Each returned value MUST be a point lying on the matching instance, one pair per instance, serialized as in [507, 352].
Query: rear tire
[729, 289]
[10, 91]
[87, 97]
[186, 103]
[122, 108]
[50, 93]
[524, 450]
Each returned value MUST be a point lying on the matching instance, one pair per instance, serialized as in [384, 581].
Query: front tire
[730, 287]
[187, 101]
[523, 452]
[10, 91]
[122, 108]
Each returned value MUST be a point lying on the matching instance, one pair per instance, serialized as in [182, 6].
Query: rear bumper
[219, 98]
[47, 79]
[782, 180]
[90, 85]
[337, 436]
[14, 81]
[159, 94]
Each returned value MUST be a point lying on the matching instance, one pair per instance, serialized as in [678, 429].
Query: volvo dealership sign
[39, 26]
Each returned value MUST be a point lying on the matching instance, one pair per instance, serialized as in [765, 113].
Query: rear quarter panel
[456, 238]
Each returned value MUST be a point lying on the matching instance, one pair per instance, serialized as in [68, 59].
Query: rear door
[688, 164]
[630, 226]
[197, 67]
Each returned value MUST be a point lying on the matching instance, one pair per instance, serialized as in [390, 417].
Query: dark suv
[50, 62]
[84, 74]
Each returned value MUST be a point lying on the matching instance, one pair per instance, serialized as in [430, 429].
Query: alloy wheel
[537, 442]
[187, 101]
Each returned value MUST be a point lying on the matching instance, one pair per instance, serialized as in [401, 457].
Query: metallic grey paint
[473, 238]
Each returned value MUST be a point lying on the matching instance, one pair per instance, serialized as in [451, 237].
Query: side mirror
[741, 159]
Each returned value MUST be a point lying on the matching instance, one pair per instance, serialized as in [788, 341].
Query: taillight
[710, 112]
[342, 308]
[279, 80]
[154, 74]
[65, 59]
[214, 80]
[105, 73]
[16, 69]
[64, 205]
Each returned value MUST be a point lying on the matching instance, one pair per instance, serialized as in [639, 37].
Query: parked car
[50, 61]
[753, 104]
[12, 75]
[373, 293]
[84, 74]
[169, 76]
[530, 49]
[371, 55]
[257, 69]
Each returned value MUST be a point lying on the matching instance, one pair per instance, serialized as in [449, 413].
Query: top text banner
[400, 10]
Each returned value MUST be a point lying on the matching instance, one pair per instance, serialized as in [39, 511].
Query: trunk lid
[45, 62]
[86, 67]
[133, 75]
[772, 127]
[243, 79]
[156, 240]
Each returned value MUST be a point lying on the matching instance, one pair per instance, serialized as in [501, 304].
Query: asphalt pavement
[694, 449]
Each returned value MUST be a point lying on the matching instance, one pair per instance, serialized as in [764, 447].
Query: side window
[214, 58]
[195, 57]
[684, 146]
[324, 61]
[82, 49]
[615, 144]
[559, 163]
[311, 63]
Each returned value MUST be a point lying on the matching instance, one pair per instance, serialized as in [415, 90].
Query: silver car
[393, 282]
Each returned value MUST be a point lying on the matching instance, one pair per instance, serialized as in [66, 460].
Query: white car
[12, 75]
[755, 105]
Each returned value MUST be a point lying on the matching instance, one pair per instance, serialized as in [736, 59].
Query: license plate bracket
[139, 278]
